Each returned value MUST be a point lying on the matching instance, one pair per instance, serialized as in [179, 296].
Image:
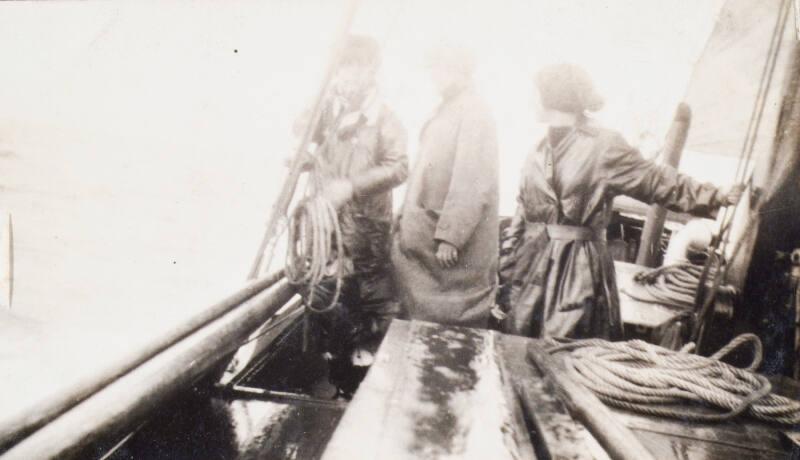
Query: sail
[748, 57]
[726, 79]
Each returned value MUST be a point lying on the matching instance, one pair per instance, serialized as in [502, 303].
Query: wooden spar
[617, 439]
[673, 148]
[558, 433]
[17, 426]
[281, 205]
[131, 397]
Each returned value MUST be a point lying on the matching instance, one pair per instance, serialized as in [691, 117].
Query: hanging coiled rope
[652, 380]
[314, 230]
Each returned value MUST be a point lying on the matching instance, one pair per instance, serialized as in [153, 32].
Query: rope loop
[314, 231]
[652, 380]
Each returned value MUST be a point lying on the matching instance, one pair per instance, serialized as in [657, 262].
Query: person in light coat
[446, 245]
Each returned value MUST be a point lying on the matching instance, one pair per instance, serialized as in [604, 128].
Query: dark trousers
[358, 320]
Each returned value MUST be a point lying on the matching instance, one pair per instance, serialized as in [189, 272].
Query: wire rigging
[704, 299]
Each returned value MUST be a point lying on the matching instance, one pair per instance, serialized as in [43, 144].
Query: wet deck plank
[434, 392]
[559, 434]
[237, 429]
[443, 392]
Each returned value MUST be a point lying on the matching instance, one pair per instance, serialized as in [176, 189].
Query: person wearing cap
[446, 246]
[360, 157]
[556, 272]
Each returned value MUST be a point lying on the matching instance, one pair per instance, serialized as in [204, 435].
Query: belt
[574, 233]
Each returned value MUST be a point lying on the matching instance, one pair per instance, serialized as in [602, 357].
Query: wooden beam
[281, 205]
[654, 224]
[558, 434]
[616, 438]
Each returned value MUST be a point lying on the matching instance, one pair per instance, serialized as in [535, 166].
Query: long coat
[453, 197]
[556, 262]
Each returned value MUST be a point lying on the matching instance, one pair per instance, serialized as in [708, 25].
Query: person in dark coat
[557, 274]
[446, 247]
[361, 157]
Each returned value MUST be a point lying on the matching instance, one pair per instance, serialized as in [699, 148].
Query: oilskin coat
[368, 148]
[453, 197]
[558, 276]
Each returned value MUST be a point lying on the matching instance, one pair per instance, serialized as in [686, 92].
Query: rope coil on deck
[652, 380]
[674, 284]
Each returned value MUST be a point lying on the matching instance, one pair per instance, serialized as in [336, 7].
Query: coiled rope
[675, 284]
[652, 380]
[314, 229]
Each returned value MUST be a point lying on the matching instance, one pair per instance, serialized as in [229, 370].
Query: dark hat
[567, 88]
[362, 50]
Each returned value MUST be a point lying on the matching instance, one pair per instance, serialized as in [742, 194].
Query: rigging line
[780, 30]
[756, 116]
[785, 13]
[745, 158]
[757, 106]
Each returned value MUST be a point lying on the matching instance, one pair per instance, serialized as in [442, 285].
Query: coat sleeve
[628, 173]
[473, 181]
[391, 167]
[512, 233]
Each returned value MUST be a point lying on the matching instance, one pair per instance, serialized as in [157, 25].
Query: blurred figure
[557, 274]
[445, 249]
[361, 157]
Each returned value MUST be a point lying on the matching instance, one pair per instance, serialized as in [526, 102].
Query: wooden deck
[448, 392]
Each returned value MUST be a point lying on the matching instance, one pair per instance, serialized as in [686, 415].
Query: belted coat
[558, 275]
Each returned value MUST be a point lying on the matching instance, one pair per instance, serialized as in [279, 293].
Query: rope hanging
[314, 229]
[651, 380]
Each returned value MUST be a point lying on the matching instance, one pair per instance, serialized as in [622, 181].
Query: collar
[369, 109]
[583, 125]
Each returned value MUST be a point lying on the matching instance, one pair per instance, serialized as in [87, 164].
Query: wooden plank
[636, 312]
[508, 371]
[238, 429]
[363, 420]
[668, 447]
[740, 434]
[434, 392]
[559, 434]
[617, 439]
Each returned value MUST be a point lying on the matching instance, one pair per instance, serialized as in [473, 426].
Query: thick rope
[314, 229]
[674, 284]
[652, 380]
